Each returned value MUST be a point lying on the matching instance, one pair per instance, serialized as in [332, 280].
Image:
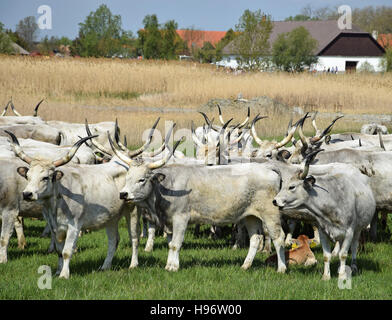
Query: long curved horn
[163, 146]
[309, 159]
[253, 130]
[136, 152]
[125, 141]
[290, 135]
[36, 108]
[18, 149]
[317, 131]
[326, 131]
[5, 109]
[380, 138]
[220, 114]
[195, 138]
[160, 163]
[14, 110]
[96, 144]
[122, 156]
[209, 122]
[301, 133]
[246, 121]
[117, 137]
[222, 135]
[68, 157]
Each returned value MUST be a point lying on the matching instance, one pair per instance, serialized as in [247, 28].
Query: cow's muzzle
[123, 195]
[28, 196]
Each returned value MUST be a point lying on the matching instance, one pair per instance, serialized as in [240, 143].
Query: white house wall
[324, 63]
[332, 62]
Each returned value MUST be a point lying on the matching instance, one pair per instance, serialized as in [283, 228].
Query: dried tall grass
[96, 88]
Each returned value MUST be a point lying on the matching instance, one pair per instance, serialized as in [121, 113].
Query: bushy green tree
[100, 34]
[206, 54]
[295, 50]
[229, 36]
[5, 41]
[253, 44]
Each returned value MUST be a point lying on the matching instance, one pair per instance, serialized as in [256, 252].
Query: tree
[27, 29]
[100, 34]
[253, 43]
[229, 36]
[151, 38]
[293, 51]
[169, 40]
[206, 54]
[5, 41]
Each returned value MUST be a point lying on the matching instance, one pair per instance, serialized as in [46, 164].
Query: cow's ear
[309, 181]
[23, 171]
[158, 177]
[57, 175]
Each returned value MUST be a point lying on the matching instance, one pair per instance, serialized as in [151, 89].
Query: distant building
[197, 38]
[345, 49]
[18, 49]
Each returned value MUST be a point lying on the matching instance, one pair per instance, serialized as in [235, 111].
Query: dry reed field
[105, 89]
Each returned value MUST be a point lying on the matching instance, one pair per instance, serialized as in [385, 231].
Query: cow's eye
[45, 178]
[142, 180]
[268, 155]
[291, 187]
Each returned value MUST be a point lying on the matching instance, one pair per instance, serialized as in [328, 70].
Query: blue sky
[200, 14]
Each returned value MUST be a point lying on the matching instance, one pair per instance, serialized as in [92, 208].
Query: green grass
[209, 269]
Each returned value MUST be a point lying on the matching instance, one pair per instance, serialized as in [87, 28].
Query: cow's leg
[276, 233]
[343, 253]
[336, 249]
[253, 226]
[46, 231]
[7, 227]
[69, 247]
[19, 232]
[291, 224]
[180, 222]
[327, 255]
[135, 233]
[151, 236]
[267, 244]
[145, 228]
[384, 220]
[316, 235]
[113, 241]
[373, 227]
[354, 250]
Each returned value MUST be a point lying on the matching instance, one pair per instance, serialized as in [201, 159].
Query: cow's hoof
[148, 248]
[171, 268]
[64, 275]
[3, 260]
[22, 246]
[246, 266]
[326, 277]
[133, 265]
[354, 269]
[281, 270]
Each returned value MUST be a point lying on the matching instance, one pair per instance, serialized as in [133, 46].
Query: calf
[302, 254]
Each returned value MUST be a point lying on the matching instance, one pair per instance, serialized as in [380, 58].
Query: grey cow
[338, 199]
[177, 194]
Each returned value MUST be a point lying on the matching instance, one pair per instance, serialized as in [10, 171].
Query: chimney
[375, 34]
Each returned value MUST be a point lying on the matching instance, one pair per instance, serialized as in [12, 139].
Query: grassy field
[209, 269]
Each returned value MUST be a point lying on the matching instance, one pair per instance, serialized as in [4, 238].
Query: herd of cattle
[338, 183]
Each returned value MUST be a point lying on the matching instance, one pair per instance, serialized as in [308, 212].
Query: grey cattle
[176, 195]
[338, 199]
[77, 197]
